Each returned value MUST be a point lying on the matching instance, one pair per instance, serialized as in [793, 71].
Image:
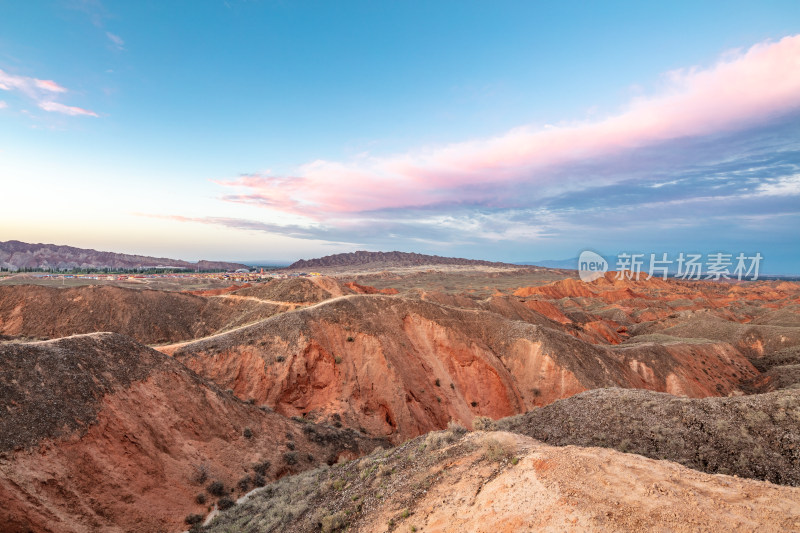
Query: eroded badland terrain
[402, 397]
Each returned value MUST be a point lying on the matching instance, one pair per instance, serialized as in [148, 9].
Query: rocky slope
[501, 482]
[100, 433]
[148, 316]
[398, 367]
[748, 436]
[15, 255]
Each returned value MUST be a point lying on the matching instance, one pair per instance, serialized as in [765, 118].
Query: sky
[269, 131]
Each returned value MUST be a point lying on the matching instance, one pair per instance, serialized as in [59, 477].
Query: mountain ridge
[15, 255]
[389, 259]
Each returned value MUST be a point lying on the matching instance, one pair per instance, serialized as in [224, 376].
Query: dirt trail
[169, 349]
[291, 305]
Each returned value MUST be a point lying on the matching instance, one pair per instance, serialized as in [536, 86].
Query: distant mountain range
[16, 255]
[385, 259]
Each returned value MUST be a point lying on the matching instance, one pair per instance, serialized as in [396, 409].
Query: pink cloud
[42, 92]
[49, 85]
[66, 109]
[740, 90]
[3, 105]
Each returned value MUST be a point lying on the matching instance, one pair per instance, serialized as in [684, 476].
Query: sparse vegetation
[193, 519]
[262, 468]
[216, 488]
[247, 433]
[495, 450]
[199, 473]
[225, 503]
[333, 522]
[748, 436]
[483, 423]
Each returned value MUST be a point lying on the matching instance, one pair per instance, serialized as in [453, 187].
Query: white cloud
[787, 186]
[117, 40]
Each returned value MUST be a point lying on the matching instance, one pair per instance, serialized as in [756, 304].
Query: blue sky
[512, 131]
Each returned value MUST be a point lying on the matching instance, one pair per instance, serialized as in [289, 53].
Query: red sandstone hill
[100, 433]
[148, 316]
[153, 316]
[453, 481]
[399, 367]
[105, 434]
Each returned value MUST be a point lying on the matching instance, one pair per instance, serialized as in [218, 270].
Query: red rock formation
[102, 434]
[400, 367]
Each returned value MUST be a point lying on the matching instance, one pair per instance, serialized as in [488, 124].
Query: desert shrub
[456, 428]
[333, 522]
[437, 439]
[216, 488]
[200, 473]
[244, 483]
[280, 359]
[247, 433]
[337, 360]
[365, 473]
[259, 480]
[474, 404]
[483, 423]
[310, 458]
[200, 499]
[351, 339]
[262, 468]
[193, 519]
[494, 450]
[225, 503]
[290, 445]
[438, 382]
[290, 458]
